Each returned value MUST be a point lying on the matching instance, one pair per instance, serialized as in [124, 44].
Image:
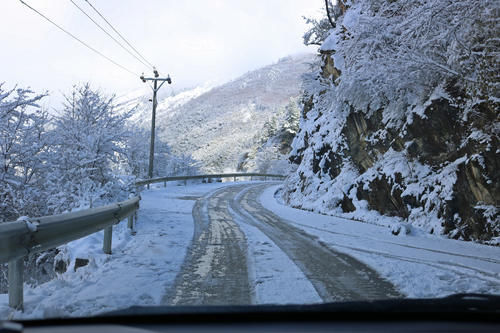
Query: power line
[107, 33]
[79, 40]
[126, 41]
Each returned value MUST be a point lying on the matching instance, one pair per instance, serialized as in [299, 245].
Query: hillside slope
[217, 125]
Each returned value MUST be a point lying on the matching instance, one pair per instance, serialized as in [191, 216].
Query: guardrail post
[234, 179]
[108, 235]
[16, 270]
[130, 223]
[165, 183]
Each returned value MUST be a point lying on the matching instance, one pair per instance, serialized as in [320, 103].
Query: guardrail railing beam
[234, 176]
[19, 238]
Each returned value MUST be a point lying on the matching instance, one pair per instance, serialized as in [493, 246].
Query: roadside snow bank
[419, 264]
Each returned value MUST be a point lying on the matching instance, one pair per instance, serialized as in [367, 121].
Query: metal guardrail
[20, 238]
[209, 176]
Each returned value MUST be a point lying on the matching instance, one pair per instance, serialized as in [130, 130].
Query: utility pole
[155, 80]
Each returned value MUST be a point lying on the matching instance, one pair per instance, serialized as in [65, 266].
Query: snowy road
[418, 264]
[295, 256]
[335, 275]
[215, 269]
[227, 243]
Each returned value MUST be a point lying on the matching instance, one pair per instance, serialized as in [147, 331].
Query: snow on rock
[400, 229]
[394, 121]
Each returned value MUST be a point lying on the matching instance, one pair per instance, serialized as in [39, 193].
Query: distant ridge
[216, 125]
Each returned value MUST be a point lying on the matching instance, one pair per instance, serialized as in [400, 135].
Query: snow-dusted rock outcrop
[401, 117]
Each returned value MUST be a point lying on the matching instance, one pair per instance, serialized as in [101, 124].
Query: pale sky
[195, 41]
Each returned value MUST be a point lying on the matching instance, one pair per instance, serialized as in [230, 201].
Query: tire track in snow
[214, 271]
[335, 276]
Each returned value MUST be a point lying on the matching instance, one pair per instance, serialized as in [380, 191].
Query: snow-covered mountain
[217, 125]
[141, 100]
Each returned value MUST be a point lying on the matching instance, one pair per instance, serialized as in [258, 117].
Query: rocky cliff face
[436, 166]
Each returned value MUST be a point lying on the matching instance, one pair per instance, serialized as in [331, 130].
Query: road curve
[215, 268]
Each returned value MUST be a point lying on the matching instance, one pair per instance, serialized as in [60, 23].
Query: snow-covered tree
[392, 54]
[23, 150]
[89, 139]
[318, 31]
[292, 117]
[183, 165]
[137, 153]
[319, 28]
